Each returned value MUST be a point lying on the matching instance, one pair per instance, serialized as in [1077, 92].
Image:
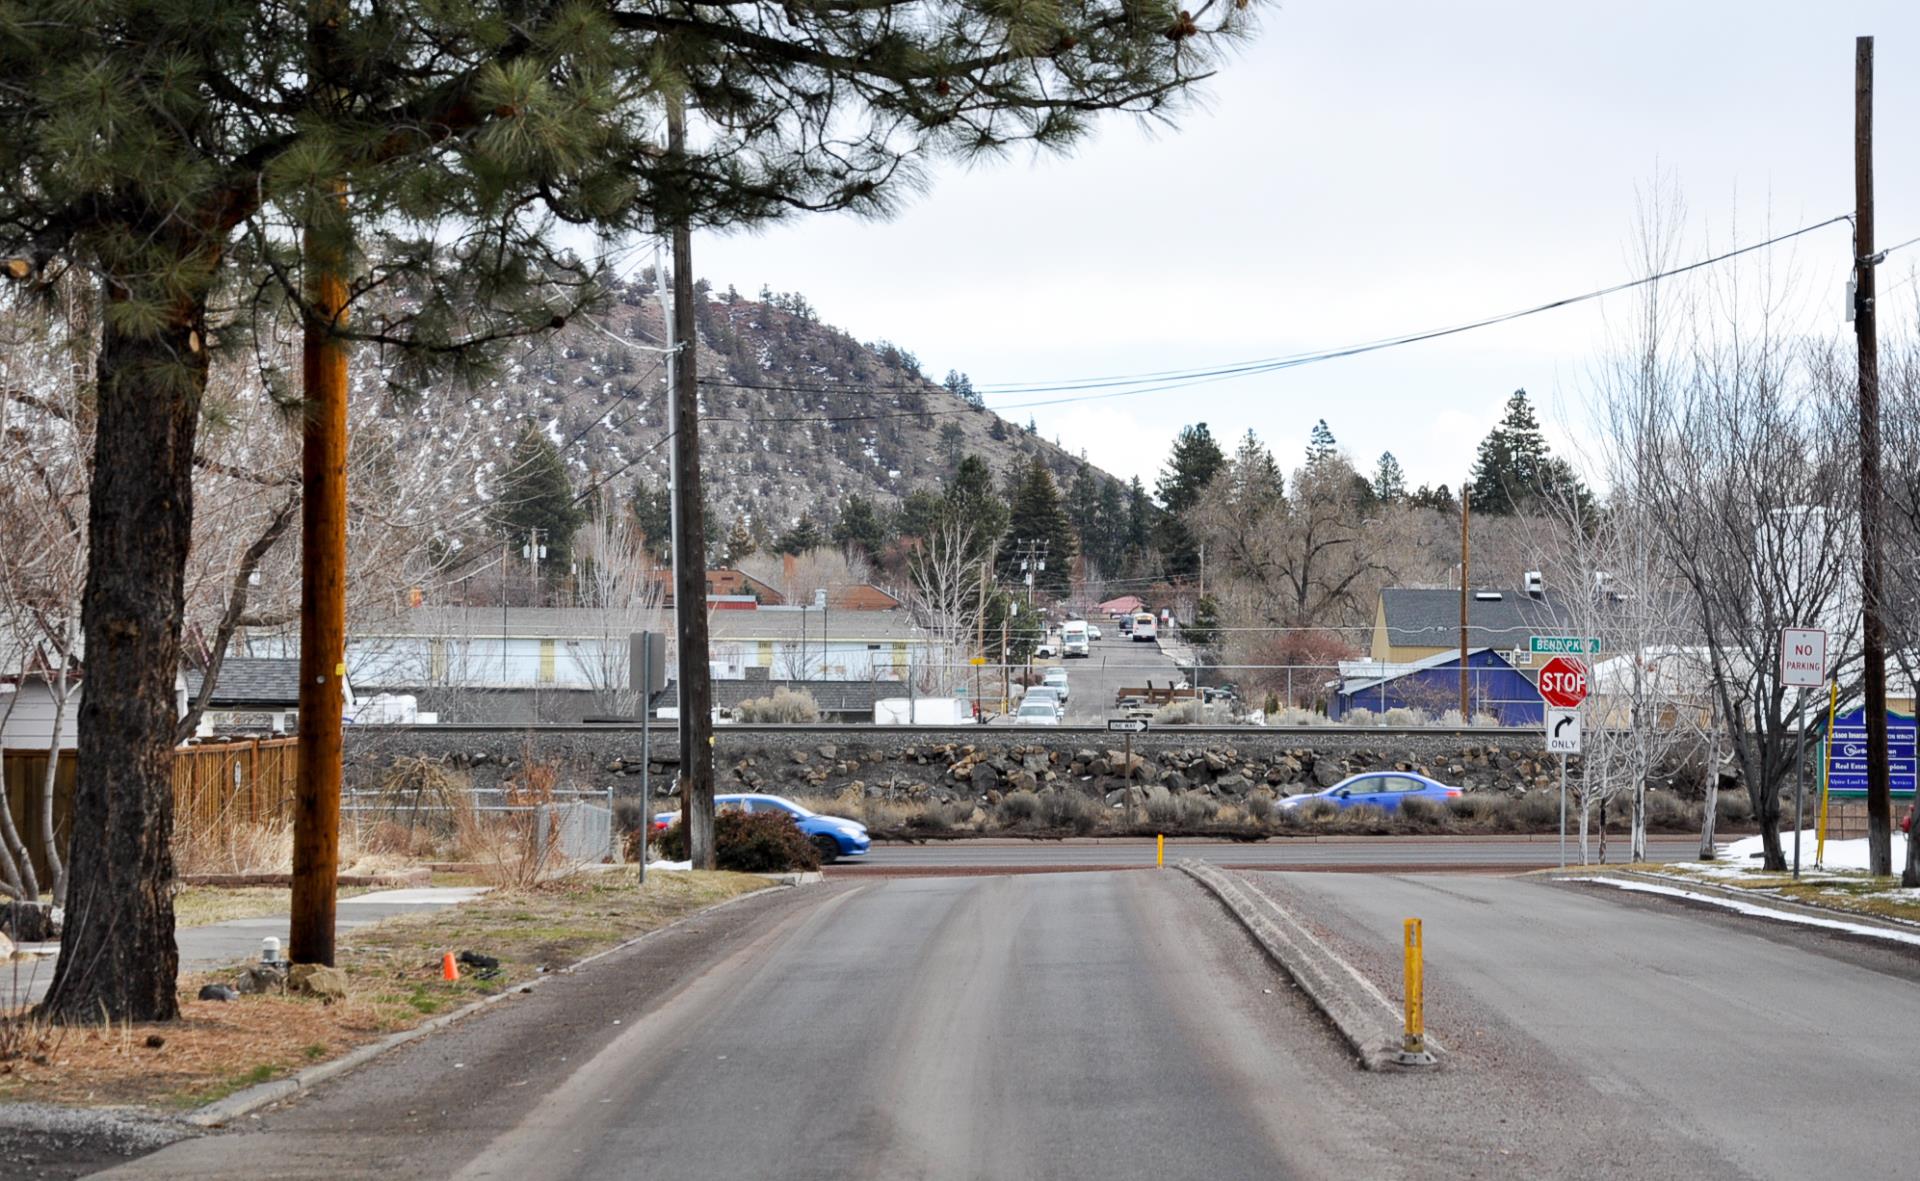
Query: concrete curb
[1792, 906]
[1363, 1016]
[223, 1111]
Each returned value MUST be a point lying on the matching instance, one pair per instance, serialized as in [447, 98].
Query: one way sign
[1563, 731]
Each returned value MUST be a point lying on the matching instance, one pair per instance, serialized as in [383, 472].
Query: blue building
[1432, 684]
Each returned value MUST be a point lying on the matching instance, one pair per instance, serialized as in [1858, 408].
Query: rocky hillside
[797, 414]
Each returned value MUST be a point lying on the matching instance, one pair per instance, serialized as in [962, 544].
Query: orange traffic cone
[448, 969]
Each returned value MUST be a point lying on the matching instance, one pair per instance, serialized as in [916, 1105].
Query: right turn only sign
[1563, 731]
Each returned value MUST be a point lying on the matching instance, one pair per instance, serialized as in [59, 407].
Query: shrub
[1198, 809]
[1405, 717]
[784, 706]
[1667, 812]
[758, 843]
[1359, 716]
[1259, 807]
[1484, 813]
[1363, 818]
[1018, 808]
[1732, 807]
[1271, 705]
[1069, 810]
[1418, 815]
[1163, 809]
[1537, 811]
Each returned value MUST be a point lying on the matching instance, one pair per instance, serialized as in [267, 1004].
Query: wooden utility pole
[689, 530]
[1873, 631]
[1466, 712]
[323, 596]
[980, 641]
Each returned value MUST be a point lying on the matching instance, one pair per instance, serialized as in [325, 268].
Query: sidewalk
[217, 944]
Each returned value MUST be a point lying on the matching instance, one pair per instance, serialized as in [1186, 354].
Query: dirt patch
[394, 975]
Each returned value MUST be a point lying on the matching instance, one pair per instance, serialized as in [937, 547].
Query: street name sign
[1563, 683]
[1563, 731]
[1130, 725]
[1803, 657]
[1577, 645]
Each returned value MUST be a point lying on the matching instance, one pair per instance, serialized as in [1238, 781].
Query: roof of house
[588, 623]
[1123, 603]
[1422, 617]
[1359, 675]
[251, 682]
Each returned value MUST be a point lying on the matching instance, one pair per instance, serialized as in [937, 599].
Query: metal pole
[1126, 764]
[1465, 715]
[1799, 772]
[646, 750]
[1563, 811]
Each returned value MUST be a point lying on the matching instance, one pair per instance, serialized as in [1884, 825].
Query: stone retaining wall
[969, 761]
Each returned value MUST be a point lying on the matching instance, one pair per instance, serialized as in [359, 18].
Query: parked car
[1037, 712]
[1093, 631]
[1048, 694]
[1045, 649]
[1126, 624]
[1382, 789]
[833, 837]
[1057, 681]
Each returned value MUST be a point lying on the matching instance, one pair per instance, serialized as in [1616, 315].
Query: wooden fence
[219, 789]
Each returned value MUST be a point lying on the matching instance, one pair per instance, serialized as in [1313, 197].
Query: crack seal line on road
[1338, 989]
[223, 1111]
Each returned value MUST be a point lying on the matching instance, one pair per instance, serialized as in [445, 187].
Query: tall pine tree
[1037, 523]
[1195, 461]
[1389, 482]
[1514, 472]
[537, 497]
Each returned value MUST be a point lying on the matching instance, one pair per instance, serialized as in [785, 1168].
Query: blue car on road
[1382, 789]
[833, 836]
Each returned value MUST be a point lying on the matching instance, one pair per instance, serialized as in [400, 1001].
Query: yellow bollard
[1160, 851]
[1413, 1043]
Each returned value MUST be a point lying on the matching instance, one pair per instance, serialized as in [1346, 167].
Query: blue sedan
[833, 836]
[1382, 789]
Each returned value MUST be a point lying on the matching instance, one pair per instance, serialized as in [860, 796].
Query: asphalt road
[1400, 852]
[1119, 1026]
[1112, 662]
[1061, 1026]
[1782, 1051]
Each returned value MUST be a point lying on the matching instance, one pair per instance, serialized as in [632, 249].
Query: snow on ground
[1839, 854]
[1757, 911]
[676, 866]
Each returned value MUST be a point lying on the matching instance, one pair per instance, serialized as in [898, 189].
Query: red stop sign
[1563, 682]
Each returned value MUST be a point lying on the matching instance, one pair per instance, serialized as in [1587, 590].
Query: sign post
[1803, 666]
[1129, 727]
[1563, 685]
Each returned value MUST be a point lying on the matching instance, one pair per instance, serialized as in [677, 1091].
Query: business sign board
[1577, 645]
[1803, 657]
[1563, 731]
[1563, 682]
[1847, 775]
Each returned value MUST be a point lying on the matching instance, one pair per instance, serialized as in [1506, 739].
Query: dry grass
[393, 970]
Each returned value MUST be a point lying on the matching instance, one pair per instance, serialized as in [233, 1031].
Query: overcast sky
[1363, 169]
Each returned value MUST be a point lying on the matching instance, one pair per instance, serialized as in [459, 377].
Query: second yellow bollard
[1413, 1043]
[1160, 851]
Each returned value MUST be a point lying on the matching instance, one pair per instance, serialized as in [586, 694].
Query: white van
[1143, 627]
[1073, 638]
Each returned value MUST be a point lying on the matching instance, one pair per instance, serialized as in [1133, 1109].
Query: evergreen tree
[1320, 444]
[804, 536]
[971, 501]
[960, 386]
[952, 439]
[1110, 540]
[1204, 631]
[1037, 523]
[1438, 499]
[653, 513]
[536, 495]
[859, 527]
[1083, 509]
[1389, 482]
[1195, 461]
[920, 513]
[1140, 518]
[1514, 472]
[998, 430]
[740, 541]
[1259, 482]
